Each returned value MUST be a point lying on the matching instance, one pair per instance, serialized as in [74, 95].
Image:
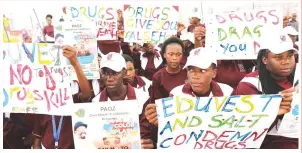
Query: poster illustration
[106, 125]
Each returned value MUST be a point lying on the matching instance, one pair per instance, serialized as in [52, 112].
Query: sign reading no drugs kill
[106, 125]
[237, 35]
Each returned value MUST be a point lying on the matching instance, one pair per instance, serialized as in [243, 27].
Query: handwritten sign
[32, 88]
[106, 125]
[237, 35]
[289, 126]
[81, 35]
[20, 53]
[50, 54]
[145, 23]
[104, 16]
[234, 122]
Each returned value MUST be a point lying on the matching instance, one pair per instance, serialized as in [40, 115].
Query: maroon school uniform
[48, 30]
[163, 82]
[230, 72]
[148, 64]
[43, 129]
[99, 86]
[107, 46]
[250, 85]
[17, 131]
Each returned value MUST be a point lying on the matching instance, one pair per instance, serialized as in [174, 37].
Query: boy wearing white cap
[274, 74]
[113, 71]
[201, 69]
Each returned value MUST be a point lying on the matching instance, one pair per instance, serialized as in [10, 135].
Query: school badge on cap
[282, 38]
[196, 52]
[109, 56]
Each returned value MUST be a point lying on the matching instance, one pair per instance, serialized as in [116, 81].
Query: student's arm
[86, 90]
[245, 88]
[155, 94]
[37, 132]
[37, 143]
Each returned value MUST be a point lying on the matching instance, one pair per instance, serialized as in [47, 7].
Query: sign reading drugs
[39, 89]
[145, 23]
[105, 17]
[107, 125]
[237, 35]
[234, 122]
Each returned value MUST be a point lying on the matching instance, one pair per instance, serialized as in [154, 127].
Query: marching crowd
[179, 65]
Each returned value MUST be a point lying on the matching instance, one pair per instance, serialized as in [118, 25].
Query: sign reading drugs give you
[233, 122]
[237, 35]
[149, 23]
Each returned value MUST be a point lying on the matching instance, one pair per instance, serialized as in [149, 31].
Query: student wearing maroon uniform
[200, 69]
[149, 61]
[133, 79]
[48, 30]
[229, 72]
[172, 75]
[52, 132]
[275, 74]
[113, 71]
[17, 130]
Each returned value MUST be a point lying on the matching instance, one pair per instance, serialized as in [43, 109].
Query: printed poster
[81, 35]
[290, 124]
[229, 122]
[106, 125]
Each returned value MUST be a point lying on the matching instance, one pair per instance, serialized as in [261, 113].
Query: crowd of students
[177, 66]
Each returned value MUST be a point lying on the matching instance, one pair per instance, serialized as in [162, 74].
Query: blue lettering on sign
[233, 48]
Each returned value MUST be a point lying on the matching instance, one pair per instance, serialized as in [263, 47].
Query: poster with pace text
[106, 125]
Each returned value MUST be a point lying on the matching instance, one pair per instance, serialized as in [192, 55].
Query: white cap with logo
[202, 58]
[277, 42]
[113, 61]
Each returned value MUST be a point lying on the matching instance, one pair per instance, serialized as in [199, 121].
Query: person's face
[130, 72]
[149, 48]
[59, 40]
[112, 79]
[294, 16]
[280, 65]
[200, 79]
[28, 40]
[81, 132]
[292, 37]
[194, 20]
[173, 55]
[48, 20]
[285, 22]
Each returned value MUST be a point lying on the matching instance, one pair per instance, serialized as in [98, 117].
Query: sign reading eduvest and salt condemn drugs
[234, 122]
[37, 89]
[81, 35]
[237, 35]
[106, 125]
[149, 23]
[104, 16]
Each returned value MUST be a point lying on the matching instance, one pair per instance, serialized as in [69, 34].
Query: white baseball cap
[291, 31]
[113, 61]
[201, 58]
[277, 42]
